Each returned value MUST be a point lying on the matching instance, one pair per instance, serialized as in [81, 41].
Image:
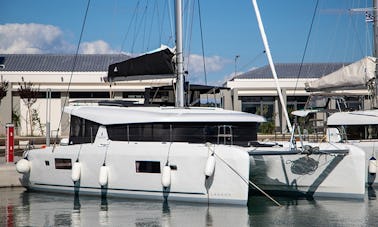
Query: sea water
[22, 208]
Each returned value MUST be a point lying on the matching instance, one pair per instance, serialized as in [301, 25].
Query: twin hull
[135, 171]
[369, 147]
[336, 170]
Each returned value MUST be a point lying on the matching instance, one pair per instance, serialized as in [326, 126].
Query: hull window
[63, 163]
[147, 167]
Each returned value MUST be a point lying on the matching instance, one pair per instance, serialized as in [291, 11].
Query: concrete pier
[9, 177]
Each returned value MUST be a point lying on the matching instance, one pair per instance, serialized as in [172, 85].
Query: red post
[9, 149]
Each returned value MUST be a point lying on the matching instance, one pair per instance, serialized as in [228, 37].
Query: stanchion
[9, 148]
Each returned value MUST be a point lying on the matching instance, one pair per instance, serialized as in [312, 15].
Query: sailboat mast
[375, 31]
[270, 60]
[179, 55]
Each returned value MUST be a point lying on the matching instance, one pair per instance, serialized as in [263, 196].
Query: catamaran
[180, 153]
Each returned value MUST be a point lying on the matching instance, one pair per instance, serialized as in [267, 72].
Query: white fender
[210, 166]
[166, 176]
[76, 171]
[103, 176]
[23, 166]
[372, 165]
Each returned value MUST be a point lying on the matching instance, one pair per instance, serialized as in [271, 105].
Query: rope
[247, 181]
[307, 41]
[129, 27]
[72, 71]
[203, 48]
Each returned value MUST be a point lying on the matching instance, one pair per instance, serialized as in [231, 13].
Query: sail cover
[355, 75]
[158, 64]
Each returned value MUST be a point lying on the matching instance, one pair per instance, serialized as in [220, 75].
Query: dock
[9, 177]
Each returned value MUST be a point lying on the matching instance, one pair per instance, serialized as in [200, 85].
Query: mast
[179, 55]
[270, 60]
[375, 31]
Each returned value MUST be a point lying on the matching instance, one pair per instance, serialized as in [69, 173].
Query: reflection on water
[22, 208]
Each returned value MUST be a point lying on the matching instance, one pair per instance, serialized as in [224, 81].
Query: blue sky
[229, 28]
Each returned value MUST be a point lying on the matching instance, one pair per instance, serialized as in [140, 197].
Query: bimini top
[110, 115]
[363, 117]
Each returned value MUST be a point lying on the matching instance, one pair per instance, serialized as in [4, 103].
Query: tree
[29, 95]
[3, 89]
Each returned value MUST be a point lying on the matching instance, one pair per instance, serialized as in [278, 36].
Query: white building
[256, 90]
[71, 78]
[68, 78]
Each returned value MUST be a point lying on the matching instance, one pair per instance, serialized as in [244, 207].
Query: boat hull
[328, 172]
[134, 170]
[368, 146]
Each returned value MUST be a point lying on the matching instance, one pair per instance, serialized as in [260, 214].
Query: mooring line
[245, 180]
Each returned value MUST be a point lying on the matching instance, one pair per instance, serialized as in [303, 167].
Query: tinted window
[82, 130]
[239, 133]
[147, 167]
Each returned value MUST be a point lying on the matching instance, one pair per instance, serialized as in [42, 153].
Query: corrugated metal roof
[291, 70]
[59, 62]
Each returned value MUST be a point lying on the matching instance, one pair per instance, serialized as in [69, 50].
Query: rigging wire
[305, 49]
[72, 70]
[129, 27]
[171, 22]
[152, 20]
[138, 27]
[262, 53]
[189, 33]
[203, 49]
[144, 28]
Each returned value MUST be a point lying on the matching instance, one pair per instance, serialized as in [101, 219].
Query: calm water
[21, 208]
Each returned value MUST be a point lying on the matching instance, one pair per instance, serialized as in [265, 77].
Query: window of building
[133, 94]
[83, 95]
[263, 106]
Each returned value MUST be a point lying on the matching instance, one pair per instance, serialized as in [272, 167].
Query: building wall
[63, 83]
[292, 89]
[5, 111]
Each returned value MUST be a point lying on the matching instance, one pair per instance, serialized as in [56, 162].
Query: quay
[9, 177]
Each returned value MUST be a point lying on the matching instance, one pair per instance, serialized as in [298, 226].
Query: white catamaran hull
[135, 170]
[327, 173]
[368, 146]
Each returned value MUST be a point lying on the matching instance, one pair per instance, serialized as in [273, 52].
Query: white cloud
[96, 47]
[213, 63]
[32, 39]
[41, 38]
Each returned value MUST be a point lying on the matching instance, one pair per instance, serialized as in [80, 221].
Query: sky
[223, 32]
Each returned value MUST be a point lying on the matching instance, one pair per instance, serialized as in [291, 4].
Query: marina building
[61, 80]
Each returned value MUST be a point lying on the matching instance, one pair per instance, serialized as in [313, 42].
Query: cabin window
[360, 132]
[82, 130]
[241, 133]
[147, 166]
